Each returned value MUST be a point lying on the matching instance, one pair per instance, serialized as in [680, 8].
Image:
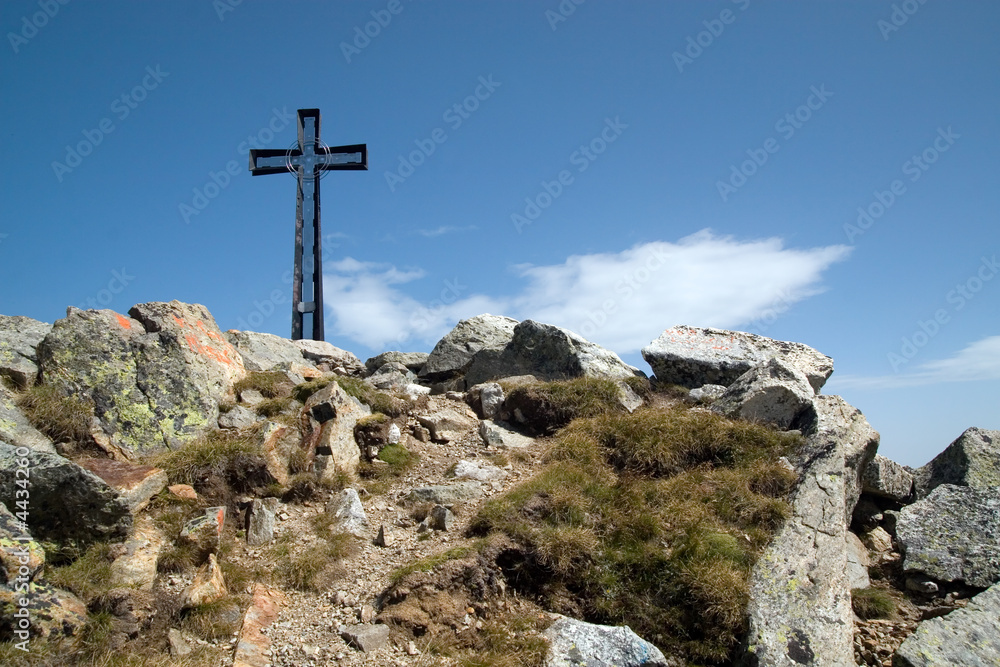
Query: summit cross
[308, 160]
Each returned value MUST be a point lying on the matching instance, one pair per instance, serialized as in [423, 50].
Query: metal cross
[308, 160]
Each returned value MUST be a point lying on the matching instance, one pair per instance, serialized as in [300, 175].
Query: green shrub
[653, 519]
[872, 603]
[394, 462]
[63, 418]
[303, 391]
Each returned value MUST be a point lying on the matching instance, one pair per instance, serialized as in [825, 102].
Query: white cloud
[621, 300]
[977, 361]
[443, 229]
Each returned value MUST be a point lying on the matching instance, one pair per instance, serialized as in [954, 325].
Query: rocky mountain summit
[171, 494]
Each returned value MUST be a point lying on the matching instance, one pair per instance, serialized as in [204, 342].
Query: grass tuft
[548, 406]
[233, 456]
[271, 384]
[62, 418]
[872, 603]
[378, 401]
[653, 519]
[87, 577]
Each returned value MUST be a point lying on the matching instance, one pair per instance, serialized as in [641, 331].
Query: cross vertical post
[309, 159]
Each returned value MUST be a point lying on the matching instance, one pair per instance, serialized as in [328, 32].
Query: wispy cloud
[622, 300]
[443, 229]
[977, 361]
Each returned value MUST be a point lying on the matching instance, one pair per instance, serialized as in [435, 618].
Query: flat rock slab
[969, 637]
[264, 351]
[495, 435]
[332, 357]
[136, 484]
[481, 472]
[447, 420]
[695, 356]
[952, 535]
[973, 459]
[447, 494]
[575, 643]
[136, 567]
[253, 645]
[15, 428]
[365, 638]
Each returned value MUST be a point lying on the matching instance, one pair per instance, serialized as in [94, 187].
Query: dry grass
[271, 384]
[652, 519]
[88, 576]
[872, 603]
[548, 406]
[234, 457]
[63, 418]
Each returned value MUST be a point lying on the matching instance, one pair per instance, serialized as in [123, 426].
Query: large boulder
[327, 427]
[800, 588]
[19, 339]
[330, 358]
[952, 535]
[695, 356]
[547, 352]
[968, 637]
[15, 428]
[772, 392]
[453, 353]
[885, 478]
[155, 379]
[67, 503]
[973, 459]
[574, 643]
[414, 361]
[264, 351]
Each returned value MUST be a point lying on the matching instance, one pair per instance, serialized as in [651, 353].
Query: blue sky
[823, 172]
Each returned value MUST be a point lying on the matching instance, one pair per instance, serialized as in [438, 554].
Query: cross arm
[268, 161]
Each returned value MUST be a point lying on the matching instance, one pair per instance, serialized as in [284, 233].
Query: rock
[52, 612]
[414, 391]
[706, 393]
[372, 434]
[973, 459]
[394, 434]
[264, 351]
[155, 379]
[391, 375]
[447, 494]
[328, 430]
[486, 399]
[922, 584]
[441, 518]
[330, 358]
[480, 472]
[208, 585]
[695, 356]
[885, 478]
[135, 484]
[800, 594]
[414, 361]
[19, 339]
[253, 649]
[178, 645]
[857, 562]
[878, 541]
[448, 421]
[384, 537]
[453, 354]
[251, 397]
[951, 535]
[495, 435]
[185, 491]
[968, 637]
[260, 521]
[772, 392]
[279, 443]
[349, 513]
[15, 428]
[238, 417]
[549, 353]
[205, 531]
[365, 638]
[574, 643]
[136, 566]
[17, 550]
[99, 513]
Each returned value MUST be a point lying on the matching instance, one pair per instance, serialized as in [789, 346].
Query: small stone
[441, 518]
[366, 614]
[411, 648]
[921, 585]
[365, 638]
[184, 491]
[178, 645]
[384, 537]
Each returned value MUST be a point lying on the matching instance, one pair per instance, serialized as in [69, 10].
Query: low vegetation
[652, 519]
[392, 462]
[64, 418]
[219, 460]
[872, 603]
[270, 384]
[548, 406]
[378, 401]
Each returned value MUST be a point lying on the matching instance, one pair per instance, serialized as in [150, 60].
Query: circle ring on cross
[319, 148]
